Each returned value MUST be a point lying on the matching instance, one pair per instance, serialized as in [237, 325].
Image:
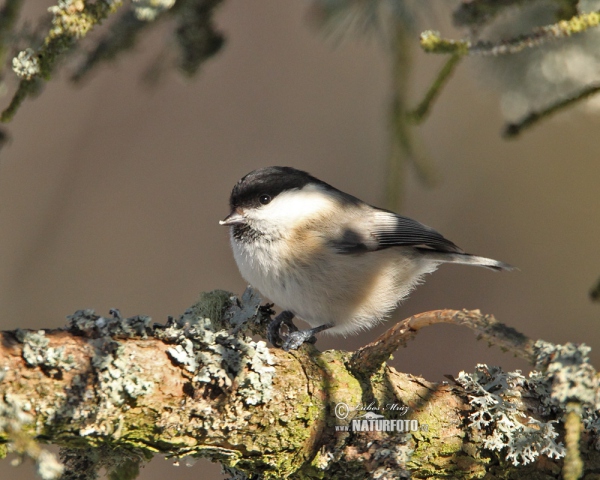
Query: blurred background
[110, 194]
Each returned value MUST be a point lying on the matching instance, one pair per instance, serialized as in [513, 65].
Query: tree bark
[123, 383]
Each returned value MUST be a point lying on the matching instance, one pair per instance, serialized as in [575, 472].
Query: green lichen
[214, 305]
[432, 42]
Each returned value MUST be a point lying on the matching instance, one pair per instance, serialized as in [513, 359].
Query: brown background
[110, 194]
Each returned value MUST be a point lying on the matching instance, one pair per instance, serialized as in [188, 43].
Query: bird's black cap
[269, 181]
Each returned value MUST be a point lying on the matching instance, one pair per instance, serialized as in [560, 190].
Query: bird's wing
[379, 229]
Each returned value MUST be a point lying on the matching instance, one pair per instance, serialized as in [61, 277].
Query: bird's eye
[264, 199]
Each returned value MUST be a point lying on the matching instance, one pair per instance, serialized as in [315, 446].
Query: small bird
[327, 257]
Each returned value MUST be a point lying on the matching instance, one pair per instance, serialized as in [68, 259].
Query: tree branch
[113, 391]
[69, 23]
[514, 129]
[432, 42]
[370, 357]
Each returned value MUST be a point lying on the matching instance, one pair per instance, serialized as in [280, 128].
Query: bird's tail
[465, 259]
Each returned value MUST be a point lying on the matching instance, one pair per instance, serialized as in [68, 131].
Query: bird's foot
[273, 333]
[294, 337]
[298, 337]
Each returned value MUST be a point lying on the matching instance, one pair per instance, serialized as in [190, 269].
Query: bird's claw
[295, 339]
[274, 328]
[273, 335]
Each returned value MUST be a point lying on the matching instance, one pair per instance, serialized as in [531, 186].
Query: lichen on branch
[432, 42]
[112, 391]
[71, 20]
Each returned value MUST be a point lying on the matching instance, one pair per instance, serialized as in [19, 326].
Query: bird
[326, 257]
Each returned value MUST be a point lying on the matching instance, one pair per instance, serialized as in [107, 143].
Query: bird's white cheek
[291, 209]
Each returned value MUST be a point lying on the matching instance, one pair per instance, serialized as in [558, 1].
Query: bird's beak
[234, 218]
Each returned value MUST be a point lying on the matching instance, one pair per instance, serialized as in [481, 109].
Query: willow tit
[327, 257]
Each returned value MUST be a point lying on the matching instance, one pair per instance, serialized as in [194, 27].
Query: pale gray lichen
[215, 356]
[498, 416]
[26, 64]
[148, 10]
[245, 314]
[184, 355]
[117, 372]
[565, 375]
[569, 372]
[569, 377]
[118, 376]
[591, 424]
[118, 381]
[87, 322]
[36, 352]
[220, 357]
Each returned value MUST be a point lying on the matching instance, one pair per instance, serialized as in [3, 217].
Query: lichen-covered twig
[369, 358]
[71, 20]
[432, 42]
[122, 36]
[113, 391]
[478, 13]
[514, 129]
[196, 36]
